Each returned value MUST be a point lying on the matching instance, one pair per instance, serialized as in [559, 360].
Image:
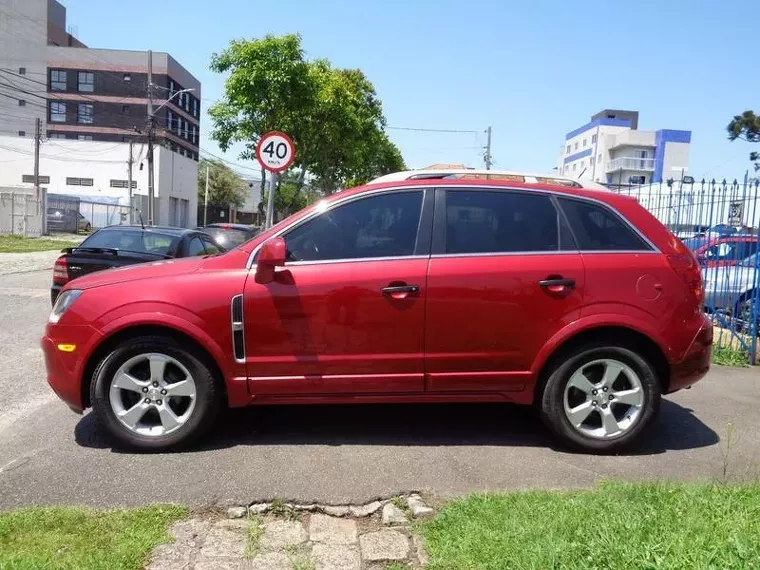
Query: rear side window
[597, 228]
[195, 247]
[479, 221]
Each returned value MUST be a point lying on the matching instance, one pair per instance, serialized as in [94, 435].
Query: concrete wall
[23, 44]
[175, 175]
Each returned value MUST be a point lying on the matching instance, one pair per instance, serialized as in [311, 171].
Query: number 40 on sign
[275, 151]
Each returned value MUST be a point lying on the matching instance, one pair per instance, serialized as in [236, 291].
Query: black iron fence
[720, 222]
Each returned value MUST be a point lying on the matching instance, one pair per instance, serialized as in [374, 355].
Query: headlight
[62, 304]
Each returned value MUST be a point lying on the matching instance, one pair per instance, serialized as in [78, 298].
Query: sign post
[275, 152]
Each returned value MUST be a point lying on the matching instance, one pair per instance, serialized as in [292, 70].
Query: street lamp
[151, 133]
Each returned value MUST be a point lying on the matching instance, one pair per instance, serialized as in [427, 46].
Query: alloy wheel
[152, 394]
[603, 398]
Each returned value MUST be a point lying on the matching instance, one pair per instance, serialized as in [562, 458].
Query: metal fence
[720, 222]
[72, 214]
[20, 213]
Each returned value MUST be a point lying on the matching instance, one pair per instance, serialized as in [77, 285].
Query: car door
[504, 277]
[346, 312]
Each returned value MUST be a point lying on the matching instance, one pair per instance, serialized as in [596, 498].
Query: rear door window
[481, 221]
[195, 247]
[597, 228]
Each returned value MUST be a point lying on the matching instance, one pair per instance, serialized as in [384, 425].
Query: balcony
[630, 163]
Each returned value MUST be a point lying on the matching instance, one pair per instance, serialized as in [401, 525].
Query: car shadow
[407, 425]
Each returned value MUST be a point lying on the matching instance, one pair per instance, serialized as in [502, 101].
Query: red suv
[577, 301]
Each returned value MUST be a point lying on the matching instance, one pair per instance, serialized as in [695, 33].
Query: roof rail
[472, 174]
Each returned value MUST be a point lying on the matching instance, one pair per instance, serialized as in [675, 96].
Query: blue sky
[532, 70]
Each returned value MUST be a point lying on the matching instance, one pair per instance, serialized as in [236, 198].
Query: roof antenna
[581, 174]
[139, 213]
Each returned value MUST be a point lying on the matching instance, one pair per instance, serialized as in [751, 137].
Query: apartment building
[611, 149]
[95, 96]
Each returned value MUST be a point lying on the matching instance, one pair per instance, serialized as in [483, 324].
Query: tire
[193, 414]
[596, 433]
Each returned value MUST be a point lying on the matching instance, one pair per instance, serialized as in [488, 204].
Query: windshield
[229, 238]
[135, 241]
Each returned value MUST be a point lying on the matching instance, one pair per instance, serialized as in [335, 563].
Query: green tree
[746, 127]
[333, 115]
[225, 188]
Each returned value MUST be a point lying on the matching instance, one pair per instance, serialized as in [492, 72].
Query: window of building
[502, 222]
[591, 161]
[171, 88]
[593, 139]
[123, 184]
[57, 80]
[127, 77]
[584, 143]
[84, 137]
[22, 133]
[575, 167]
[193, 131]
[57, 112]
[576, 146]
[85, 113]
[21, 103]
[29, 179]
[79, 182]
[56, 135]
[22, 70]
[197, 112]
[598, 229]
[583, 163]
[567, 149]
[377, 226]
[180, 120]
[599, 158]
[86, 81]
[126, 109]
[181, 151]
[169, 120]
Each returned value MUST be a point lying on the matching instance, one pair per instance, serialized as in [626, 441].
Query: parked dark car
[230, 235]
[67, 221]
[117, 246]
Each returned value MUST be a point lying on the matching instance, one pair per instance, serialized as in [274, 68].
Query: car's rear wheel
[151, 393]
[601, 398]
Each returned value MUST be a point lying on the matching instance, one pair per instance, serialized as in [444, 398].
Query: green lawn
[614, 527]
[15, 244]
[74, 538]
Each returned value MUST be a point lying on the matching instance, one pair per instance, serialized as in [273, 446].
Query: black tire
[208, 394]
[552, 409]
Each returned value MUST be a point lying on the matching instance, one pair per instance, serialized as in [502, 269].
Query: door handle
[400, 291]
[557, 284]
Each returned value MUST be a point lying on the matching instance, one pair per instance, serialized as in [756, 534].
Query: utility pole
[270, 200]
[151, 189]
[487, 156]
[37, 141]
[205, 206]
[130, 162]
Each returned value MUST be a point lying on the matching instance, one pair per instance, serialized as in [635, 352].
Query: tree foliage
[333, 115]
[746, 127]
[225, 188]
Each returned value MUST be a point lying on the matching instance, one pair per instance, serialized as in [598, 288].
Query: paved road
[334, 454]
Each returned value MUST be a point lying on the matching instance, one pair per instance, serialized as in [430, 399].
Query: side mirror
[272, 254]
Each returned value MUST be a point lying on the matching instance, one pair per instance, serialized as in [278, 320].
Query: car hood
[152, 270]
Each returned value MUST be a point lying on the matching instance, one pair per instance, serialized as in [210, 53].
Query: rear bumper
[695, 365]
[65, 369]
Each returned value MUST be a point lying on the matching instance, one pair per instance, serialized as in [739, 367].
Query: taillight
[687, 268]
[60, 271]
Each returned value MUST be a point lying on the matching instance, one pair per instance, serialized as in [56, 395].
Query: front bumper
[695, 365]
[65, 370]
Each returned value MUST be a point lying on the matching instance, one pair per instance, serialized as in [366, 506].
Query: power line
[432, 130]
[26, 103]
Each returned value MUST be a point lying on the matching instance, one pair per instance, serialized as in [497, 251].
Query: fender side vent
[238, 328]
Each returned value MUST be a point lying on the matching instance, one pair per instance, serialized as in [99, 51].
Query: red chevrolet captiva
[420, 288]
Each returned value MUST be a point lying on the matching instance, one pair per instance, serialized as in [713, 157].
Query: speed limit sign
[275, 151]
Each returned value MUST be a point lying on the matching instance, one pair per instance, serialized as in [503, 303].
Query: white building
[97, 172]
[610, 149]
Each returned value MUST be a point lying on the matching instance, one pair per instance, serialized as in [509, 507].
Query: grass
[729, 356]
[616, 526]
[253, 538]
[71, 538]
[728, 351]
[18, 244]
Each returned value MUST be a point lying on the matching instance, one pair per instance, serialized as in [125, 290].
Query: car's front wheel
[601, 398]
[152, 393]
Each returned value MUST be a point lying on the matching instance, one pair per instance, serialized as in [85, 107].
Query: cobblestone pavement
[375, 536]
[11, 263]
